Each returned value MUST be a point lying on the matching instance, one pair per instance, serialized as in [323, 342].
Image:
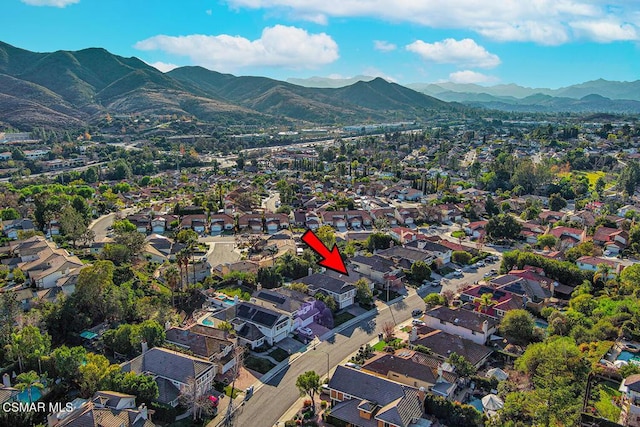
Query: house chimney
[422, 394]
[485, 327]
[145, 346]
[258, 287]
[310, 271]
[6, 380]
[167, 325]
[414, 334]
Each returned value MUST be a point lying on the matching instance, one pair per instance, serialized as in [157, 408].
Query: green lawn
[459, 234]
[382, 344]
[227, 391]
[605, 406]
[341, 318]
[258, 364]
[279, 354]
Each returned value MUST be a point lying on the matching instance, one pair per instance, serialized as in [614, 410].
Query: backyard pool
[23, 396]
[207, 322]
[628, 356]
[476, 403]
[221, 299]
[541, 324]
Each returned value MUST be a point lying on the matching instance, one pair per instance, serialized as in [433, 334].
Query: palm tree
[484, 302]
[27, 380]
[602, 274]
[172, 278]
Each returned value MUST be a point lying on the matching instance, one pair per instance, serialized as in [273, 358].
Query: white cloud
[278, 46]
[605, 31]
[464, 52]
[384, 46]
[165, 67]
[54, 3]
[468, 76]
[541, 21]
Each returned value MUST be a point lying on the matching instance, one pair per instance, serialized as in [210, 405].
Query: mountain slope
[77, 87]
[362, 100]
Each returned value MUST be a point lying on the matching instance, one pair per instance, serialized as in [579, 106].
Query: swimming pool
[628, 356]
[541, 324]
[23, 396]
[207, 322]
[476, 403]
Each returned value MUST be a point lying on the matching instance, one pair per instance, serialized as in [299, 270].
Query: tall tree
[517, 326]
[309, 384]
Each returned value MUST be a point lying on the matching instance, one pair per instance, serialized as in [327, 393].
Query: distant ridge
[608, 96]
[71, 88]
[328, 82]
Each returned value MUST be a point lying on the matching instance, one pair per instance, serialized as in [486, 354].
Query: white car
[305, 331]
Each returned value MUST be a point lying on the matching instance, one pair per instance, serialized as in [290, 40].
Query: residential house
[476, 229]
[442, 344]
[536, 290]
[256, 325]
[276, 221]
[106, 408]
[413, 369]
[251, 222]
[141, 221]
[362, 399]
[303, 309]
[221, 222]
[591, 263]
[207, 343]
[630, 388]
[172, 372]
[568, 236]
[43, 263]
[612, 239]
[471, 325]
[342, 290]
[12, 227]
[404, 257]
[195, 222]
[440, 253]
[501, 300]
[388, 214]
[550, 217]
[531, 231]
[379, 269]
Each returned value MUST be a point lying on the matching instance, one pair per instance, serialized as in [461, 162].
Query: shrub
[323, 404]
[306, 403]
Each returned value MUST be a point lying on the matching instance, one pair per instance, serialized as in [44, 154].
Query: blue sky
[536, 43]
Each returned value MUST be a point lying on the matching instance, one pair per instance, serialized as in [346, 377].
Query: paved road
[270, 202]
[274, 398]
[470, 276]
[222, 253]
[100, 225]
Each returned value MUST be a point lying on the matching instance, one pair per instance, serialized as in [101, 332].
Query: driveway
[222, 253]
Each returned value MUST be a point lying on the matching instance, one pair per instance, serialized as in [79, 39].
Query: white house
[471, 325]
[630, 387]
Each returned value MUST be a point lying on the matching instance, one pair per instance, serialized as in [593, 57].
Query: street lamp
[316, 348]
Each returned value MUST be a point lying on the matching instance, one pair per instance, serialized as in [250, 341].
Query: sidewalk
[295, 408]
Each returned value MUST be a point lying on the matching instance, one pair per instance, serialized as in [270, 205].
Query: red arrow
[330, 259]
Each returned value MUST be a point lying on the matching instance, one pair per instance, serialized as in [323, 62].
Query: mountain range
[66, 88]
[592, 96]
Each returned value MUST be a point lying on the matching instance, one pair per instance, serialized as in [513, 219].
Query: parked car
[352, 365]
[418, 322]
[417, 312]
[488, 274]
[305, 331]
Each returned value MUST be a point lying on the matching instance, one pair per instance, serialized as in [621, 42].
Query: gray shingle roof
[323, 281]
[464, 318]
[167, 364]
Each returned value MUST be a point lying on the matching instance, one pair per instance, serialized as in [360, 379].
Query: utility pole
[228, 417]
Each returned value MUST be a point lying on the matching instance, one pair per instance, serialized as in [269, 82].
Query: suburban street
[274, 398]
